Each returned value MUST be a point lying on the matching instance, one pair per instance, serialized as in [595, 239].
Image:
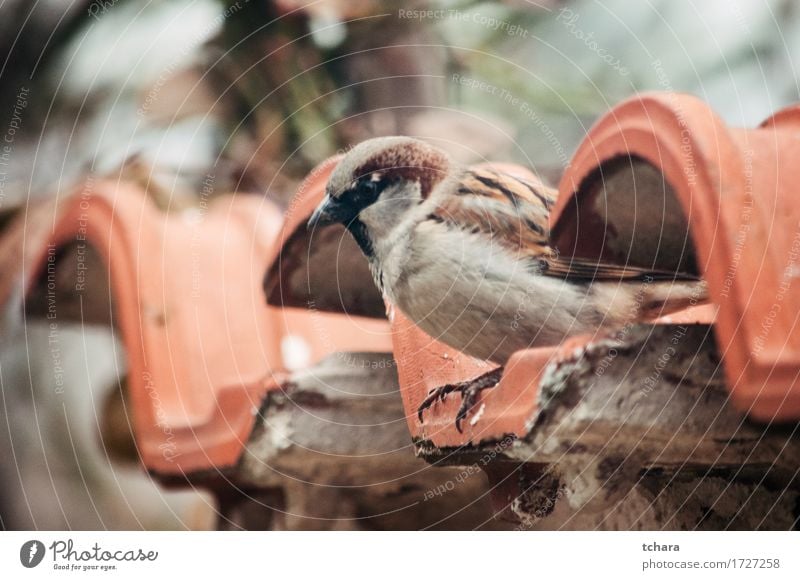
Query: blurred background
[255, 93]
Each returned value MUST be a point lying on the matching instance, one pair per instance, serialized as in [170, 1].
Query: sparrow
[465, 253]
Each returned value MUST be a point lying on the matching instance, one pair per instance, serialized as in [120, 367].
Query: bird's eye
[369, 189]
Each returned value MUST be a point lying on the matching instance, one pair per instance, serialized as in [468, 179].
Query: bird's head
[377, 182]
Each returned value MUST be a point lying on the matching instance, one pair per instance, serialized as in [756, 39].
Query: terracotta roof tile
[736, 189]
[202, 346]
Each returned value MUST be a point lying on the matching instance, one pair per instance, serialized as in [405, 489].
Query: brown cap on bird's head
[394, 158]
[372, 165]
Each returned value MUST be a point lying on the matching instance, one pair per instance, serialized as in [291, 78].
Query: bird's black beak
[330, 211]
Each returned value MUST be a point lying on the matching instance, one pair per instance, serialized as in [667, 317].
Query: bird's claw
[469, 394]
[439, 393]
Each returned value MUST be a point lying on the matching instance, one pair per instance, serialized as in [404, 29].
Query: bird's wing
[515, 213]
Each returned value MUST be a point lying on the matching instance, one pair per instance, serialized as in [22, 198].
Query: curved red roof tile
[202, 346]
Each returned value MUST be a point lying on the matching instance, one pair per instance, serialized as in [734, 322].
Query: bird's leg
[469, 394]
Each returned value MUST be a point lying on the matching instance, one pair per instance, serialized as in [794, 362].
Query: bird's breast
[472, 294]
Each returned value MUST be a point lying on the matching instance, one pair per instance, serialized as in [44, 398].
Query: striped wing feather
[515, 212]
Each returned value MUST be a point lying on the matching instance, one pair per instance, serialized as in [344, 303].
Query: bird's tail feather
[662, 298]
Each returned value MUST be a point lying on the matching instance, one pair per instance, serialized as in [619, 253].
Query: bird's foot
[469, 394]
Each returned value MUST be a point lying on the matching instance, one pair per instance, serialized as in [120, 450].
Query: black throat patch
[359, 231]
